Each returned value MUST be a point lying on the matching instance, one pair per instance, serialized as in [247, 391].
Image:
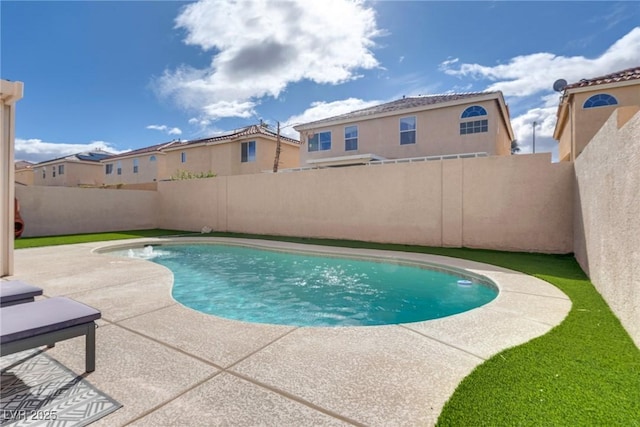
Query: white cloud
[36, 150]
[166, 129]
[322, 110]
[260, 47]
[527, 75]
[528, 79]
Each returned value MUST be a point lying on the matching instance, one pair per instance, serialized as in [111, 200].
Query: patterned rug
[36, 390]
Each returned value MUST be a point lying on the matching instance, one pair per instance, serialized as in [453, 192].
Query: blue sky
[122, 75]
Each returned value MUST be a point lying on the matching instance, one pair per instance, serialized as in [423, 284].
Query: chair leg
[90, 350]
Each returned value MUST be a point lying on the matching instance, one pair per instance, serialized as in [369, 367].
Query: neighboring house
[24, 172]
[244, 151]
[586, 105]
[248, 150]
[417, 126]
[144, 165]
[82, 169]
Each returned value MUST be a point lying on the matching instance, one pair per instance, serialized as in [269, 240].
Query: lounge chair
[17, 292]
[46, 322]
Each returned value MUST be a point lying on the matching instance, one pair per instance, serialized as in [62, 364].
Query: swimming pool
[305, 289]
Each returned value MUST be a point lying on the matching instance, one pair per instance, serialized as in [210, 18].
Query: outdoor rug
[36, 390]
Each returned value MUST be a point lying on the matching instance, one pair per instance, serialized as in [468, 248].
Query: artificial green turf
[584, 372]
[33, 242]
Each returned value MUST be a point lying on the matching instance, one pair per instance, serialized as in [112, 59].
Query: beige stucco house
[586, 105]
[81, 169]
[417, 126]
[139, 166]
[24, 172]
[244, 151]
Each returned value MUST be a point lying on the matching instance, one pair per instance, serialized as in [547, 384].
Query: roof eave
[325, 123]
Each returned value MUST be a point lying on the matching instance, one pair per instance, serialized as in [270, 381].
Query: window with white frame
[248, 152]
[350, 138]
[60, 169]
[44, 173]
[408, 130]
[53, 170]
[119, 167]
[108, 169]
[320, 141]
[135, 165]
[473, 126]
[152, 158]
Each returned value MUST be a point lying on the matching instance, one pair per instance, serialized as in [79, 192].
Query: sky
[121, 75]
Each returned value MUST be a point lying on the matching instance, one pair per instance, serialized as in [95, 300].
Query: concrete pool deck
[171, 365]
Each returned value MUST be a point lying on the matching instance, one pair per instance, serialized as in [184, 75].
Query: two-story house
[244, 151]
[416, 126]
[586, 105]
[144, 165]
[251, 149]
[81, 169]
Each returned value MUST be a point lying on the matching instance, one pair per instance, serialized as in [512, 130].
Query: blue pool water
[285, 288]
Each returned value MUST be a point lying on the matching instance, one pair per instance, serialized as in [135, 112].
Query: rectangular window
[119, 167]
[248, 152]
[351, 138]
[60, 169]
[320, 141]
[407, 130]
[476, 126]
[53, 170]
[183, 157]
[108, 168]
[135, 165]
[44, 173]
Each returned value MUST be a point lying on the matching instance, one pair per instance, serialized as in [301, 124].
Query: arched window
[473, 111]
[600, 100]
[473, 126]
[152, 158]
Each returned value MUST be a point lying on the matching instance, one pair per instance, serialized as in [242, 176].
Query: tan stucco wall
[25, 176]
[10, 94]
[437, 133]
[588, 121]
[64, 210]
[485, 202]
[607, 225]
[518, 196]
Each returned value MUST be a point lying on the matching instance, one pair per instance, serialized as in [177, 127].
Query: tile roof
[403, 104]
[619, 76]
[149, 149]
[87, 156]
[242, 132]
[23, 164]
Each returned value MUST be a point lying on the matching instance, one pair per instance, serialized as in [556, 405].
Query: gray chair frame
[49, 339]
[28, 326]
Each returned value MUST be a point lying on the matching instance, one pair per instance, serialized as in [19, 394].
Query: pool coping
[299, 369]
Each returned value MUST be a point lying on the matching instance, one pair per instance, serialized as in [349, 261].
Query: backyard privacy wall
[607, 220]
[515, 203]
[50, 211]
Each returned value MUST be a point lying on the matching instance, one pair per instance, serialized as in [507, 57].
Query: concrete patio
[170, 365]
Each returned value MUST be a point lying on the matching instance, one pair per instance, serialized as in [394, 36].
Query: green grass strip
[585, 371]
[34, 242]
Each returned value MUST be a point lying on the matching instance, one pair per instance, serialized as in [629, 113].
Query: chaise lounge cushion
[15, 290]
[40, 317]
